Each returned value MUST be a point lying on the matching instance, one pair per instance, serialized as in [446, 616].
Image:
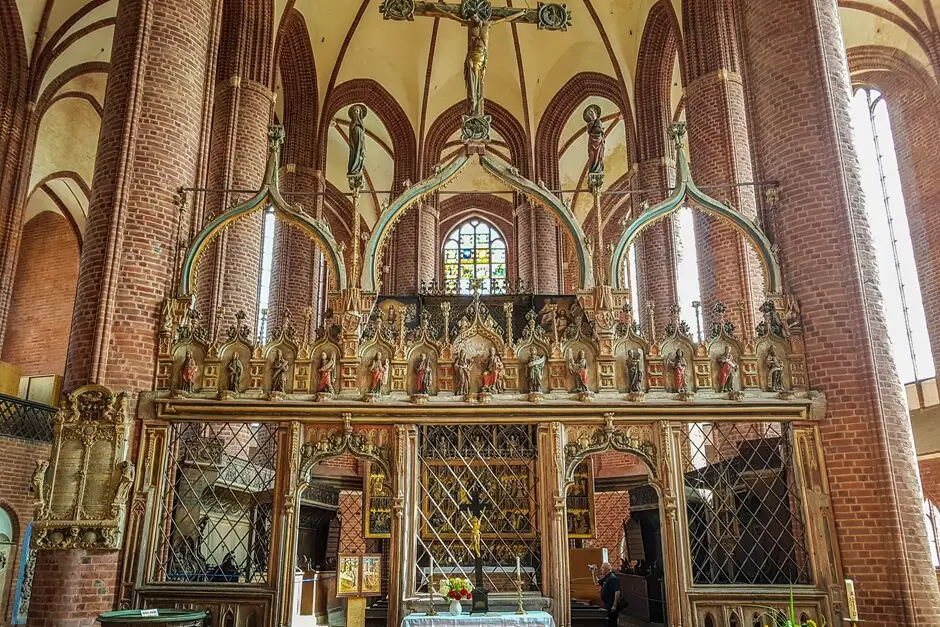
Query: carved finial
[609, 422]
[697, 306]
[677, 132]
[275, 137]
[347, 423]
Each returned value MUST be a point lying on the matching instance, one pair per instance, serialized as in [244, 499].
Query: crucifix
[475, 507]
[478, 16]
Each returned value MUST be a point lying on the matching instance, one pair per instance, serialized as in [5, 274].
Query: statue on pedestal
[279, 372]
[326, 370]
[462, 367]
[423, 376]
[235, 370]
[536, 366]
[579, 368]
[188, 373]
[774, 371]
[379, 370]
[634, 371]
[678, 365]
[493, 373]
[726, 370]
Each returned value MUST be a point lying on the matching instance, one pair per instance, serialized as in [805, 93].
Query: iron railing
[25, 420]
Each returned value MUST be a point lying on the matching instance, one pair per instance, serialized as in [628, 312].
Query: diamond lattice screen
[497, 464]
[745, 517]
[351, 539]
[216, 521]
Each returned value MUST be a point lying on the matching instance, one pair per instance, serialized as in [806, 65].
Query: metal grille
[351, 539]
[218, 511]
[498, 464]
[25, 419]
[745, 516]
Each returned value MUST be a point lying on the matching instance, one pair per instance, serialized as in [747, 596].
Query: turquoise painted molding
[686, 191]
[268, 196]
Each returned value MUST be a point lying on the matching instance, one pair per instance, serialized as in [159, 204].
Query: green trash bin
[154, 618]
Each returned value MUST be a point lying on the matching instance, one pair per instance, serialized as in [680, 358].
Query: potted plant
[456, 589]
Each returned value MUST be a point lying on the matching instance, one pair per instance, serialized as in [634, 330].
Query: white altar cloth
[492, 619]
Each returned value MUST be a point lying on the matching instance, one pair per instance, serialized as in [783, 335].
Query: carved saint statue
[596, 139]
[326, 369]
[279, 372]
[493, 373]
[379, 369]
[235, 370]
[462, 367]
[475, 536]
[188, 373]
[726, 370]
[39, 482]
[357, 140]
[579, 368]
[536, 366]
[124, 487]
[774, 371]
[423, 376]
[634, 371]
[678, 365]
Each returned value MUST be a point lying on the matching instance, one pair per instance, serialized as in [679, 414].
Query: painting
[371, 575]
[348, 575]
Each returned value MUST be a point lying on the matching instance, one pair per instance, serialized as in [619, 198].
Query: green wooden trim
[371, 258]
[550, 201]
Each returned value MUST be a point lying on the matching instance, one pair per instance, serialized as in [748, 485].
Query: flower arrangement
[455, 588]
[779, 618]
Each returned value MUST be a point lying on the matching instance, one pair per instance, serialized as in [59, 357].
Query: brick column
[295, 265]
[428, 245]
[656, 251]
[149, 145]
[799, 84]
[546, 250]
[230, 271]
[525, 245]
[720, 154]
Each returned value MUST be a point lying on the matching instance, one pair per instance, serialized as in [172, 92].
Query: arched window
[475, 250]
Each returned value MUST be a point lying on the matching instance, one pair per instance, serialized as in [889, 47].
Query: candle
[850, 597]
[518, 569]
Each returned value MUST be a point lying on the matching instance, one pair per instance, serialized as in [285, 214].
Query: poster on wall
[348, 575]
[371, 575]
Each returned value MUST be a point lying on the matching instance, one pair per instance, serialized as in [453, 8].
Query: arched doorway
[613, 517]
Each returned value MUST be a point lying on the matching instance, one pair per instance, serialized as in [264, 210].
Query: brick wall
[798, 84]
[43, 295]
[930, 478]
[16, 497]
[72, 587]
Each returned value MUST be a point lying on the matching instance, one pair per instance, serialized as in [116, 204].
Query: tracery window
[475, 250]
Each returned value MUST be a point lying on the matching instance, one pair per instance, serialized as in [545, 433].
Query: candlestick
[519, 607]
[852, 602]
[431, 610]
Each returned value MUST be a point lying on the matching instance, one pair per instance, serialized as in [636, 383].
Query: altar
[490, 619]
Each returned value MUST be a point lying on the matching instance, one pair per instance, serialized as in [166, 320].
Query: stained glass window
[475, 250]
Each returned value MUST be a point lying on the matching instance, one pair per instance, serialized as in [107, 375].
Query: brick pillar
[799, 83]
[525, 242]
[428, 246]
[294, 277]
[403, 255]
[720, 154]
[656, 251]
[14, 174]
[149, 145]
[231, 268]
[546, 251]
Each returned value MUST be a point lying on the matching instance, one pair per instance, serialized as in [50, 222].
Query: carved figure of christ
[475, 508]
[478, 16]
[478, 22]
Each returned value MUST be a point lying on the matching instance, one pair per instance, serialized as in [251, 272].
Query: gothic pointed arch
[659, 46]
[685, 191]
[298, 71]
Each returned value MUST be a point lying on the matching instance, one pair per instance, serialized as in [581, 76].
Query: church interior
[384, 313]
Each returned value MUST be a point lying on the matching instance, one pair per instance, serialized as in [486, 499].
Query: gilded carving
[82, 492]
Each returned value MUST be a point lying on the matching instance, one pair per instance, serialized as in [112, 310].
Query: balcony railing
[25, 419]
